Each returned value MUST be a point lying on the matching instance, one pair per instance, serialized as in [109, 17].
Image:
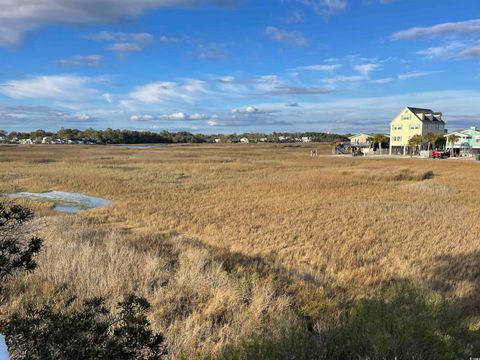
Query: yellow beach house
[413, 121]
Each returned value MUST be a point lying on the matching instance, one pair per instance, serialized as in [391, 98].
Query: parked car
[438, 154]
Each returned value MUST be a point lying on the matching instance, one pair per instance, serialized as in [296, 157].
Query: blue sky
[224, 66]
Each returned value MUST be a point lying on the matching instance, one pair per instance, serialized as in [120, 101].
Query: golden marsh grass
[222, 239]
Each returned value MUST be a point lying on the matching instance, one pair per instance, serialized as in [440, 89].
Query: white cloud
[319, 67]
[473, 51]
[366, 69]
[382, 81]
[108, 97]
[248, 110]
[295, 18]
[445, 29]
[57, 87]
[175, 116]
[122, 42]
[415, 74]
[293, 38]
[325, 8]
[453, 50]
[197, 116]
[212, 122]
[83, 117]
[344, 78]
[164, 39]
[188, 90]
[20, 16]
[145, 117]
[211, 52]
[79, 60]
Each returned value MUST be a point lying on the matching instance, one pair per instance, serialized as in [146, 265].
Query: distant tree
[378, 139]
[452, 139]
[38, 135]
[69, 134]
[416, 141]
[430, 138]
[88, 332]
[440, 141]
[17, 246]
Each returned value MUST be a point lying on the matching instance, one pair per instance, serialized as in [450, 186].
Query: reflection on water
[66, 201]
[3, 348]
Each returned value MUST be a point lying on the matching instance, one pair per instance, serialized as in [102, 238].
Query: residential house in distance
[413, 121]
[468, 141]
[360, 140]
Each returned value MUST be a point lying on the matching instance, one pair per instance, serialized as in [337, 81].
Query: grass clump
[406, 323]
[403, 323]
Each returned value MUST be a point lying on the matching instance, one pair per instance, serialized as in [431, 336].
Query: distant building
[306, 139]
[468, 140]
[413, 121]
[244, 140]
[360, 139]
[26, 141]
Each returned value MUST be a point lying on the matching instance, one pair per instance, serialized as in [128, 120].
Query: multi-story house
[413, 121]
[468, 141]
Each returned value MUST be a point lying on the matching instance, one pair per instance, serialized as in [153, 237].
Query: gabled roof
[458, 132]
[426, 111]
[467, 132]
[420, 110]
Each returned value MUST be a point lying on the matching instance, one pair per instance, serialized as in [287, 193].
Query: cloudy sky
[223, 66]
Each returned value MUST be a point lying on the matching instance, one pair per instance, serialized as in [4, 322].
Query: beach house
[413, 121]
[468, 141]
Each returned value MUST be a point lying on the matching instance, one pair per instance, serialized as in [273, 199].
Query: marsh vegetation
[261, 251]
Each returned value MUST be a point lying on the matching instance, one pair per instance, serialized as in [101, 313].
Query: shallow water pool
[3, 348]
[66, 201]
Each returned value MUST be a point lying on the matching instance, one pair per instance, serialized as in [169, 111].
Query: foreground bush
[17, 246]
[90, 332]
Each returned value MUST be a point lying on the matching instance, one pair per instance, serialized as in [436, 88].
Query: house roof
[356, 135]
[458, 132]
[420, 110]
[435, 115]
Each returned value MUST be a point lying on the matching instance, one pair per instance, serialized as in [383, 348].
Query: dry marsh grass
[225, 239]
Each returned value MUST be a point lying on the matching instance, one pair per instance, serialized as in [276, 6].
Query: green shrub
[90, 332]
[404, 324]
[288, 338]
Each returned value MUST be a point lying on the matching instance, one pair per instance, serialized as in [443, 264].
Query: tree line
[117, 136]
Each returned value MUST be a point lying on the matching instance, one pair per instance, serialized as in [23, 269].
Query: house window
[406, 117]
[411, 127]
[396, 127]
[417, 127]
